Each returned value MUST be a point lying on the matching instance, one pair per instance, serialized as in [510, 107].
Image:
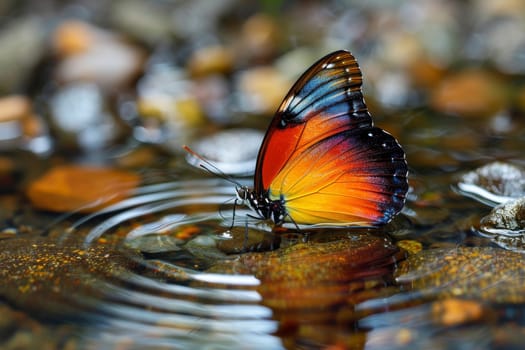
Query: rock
[50, 279]
[81, 188]
[232, 151]
[214, 96]
[482, 273]
[128, 16]
[471, 93]
[260, 38]
[244, 240]
[411, 246]
[168, 107]
[210, 60]
[262, 89]
[494, 183]
[80, 117]
[505, 225]
[507, 218]
[14, 108]
[316, 275]
[93, 55]
[22, 44]
[501, 27]
[73, 38]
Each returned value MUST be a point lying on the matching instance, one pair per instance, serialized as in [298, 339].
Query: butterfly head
[243, 193]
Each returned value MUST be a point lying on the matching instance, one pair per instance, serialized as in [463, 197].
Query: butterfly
[322, 161]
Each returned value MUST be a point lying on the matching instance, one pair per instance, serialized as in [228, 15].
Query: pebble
[79, 115]
[128, 16]
[14, 108]
[506, 219]
[166, 100]
[22, 44]
[85, 189]
[454, 312]
[86, 50]
[14, 111]
[210, 60]
[470, 93]
[262, 89]
[494, 183]
[233, 151]
[73, 37]
[260, 38]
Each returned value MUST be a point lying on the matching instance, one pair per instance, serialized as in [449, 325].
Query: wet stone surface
[496, 182]
[56, 280]
[484, 273]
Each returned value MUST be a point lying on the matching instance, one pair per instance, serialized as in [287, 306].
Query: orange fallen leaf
[81, 188]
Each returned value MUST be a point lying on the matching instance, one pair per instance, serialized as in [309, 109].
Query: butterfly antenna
[210, 167]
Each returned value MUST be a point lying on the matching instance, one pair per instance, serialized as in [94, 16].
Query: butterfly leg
[235, 204]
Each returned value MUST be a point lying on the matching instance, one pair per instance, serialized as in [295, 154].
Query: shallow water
[167, 260]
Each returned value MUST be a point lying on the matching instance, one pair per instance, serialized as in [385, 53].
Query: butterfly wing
[325, 100]
[355, 177]
[318, 157]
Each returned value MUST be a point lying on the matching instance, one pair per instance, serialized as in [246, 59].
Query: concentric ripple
[163, 301]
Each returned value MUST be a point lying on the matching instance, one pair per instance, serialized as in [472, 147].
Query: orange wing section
[325, 101]
[356, 177]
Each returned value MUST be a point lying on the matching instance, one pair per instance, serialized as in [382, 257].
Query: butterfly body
[322, 161]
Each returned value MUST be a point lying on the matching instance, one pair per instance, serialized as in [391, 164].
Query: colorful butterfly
[322, 161]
